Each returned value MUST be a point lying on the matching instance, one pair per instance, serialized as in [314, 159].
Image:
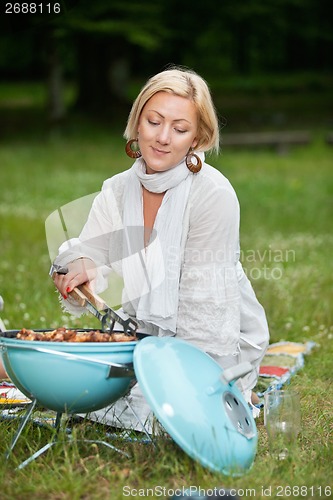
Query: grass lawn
[287, 241]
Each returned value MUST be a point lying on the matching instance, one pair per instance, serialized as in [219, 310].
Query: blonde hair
[183, 83]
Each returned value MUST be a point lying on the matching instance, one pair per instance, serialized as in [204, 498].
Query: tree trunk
[102, 75]
[55, 86]
[242, 47]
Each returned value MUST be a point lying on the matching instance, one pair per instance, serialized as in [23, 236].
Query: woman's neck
[151, 204]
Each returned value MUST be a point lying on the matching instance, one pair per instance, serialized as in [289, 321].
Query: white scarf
[151, 275]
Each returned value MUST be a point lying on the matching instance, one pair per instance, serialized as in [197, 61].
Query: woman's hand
[79, 271]
[3, 373]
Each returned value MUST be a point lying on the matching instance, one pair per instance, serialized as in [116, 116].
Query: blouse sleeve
[209, 306]
[94, 241]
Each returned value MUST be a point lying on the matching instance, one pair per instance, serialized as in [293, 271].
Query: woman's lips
[159, 151]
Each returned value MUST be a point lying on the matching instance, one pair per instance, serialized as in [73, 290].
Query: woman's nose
[164, 135]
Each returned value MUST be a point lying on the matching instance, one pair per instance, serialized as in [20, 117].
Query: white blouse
[218, 310]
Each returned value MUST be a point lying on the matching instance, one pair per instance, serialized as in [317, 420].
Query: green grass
[287, 251]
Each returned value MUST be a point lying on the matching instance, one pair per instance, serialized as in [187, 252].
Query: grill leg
[35, 455]
[54, 441]
[139, 420]
[108, 445]
[58, 422]
[20, 430]
[21, 427]
[47, 446]
[57, 428]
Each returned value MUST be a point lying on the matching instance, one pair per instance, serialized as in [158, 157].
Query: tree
[104, 44]
[102, 36]
[106, 35]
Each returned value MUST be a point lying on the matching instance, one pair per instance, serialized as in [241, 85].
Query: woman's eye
[151, 122]
[180, 131]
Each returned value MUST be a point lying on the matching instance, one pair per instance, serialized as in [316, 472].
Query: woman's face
[167, 129]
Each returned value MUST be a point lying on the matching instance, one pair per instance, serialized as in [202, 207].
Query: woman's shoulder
[117, 181]
[210, 177]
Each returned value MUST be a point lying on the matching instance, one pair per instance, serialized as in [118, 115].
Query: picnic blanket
[281, 361]
[11, 396]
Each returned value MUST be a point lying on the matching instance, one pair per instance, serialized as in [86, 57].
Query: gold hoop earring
[193, 167]
[133, 153]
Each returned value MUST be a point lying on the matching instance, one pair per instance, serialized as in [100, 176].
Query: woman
[170, 226]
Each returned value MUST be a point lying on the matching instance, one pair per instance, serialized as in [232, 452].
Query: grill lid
[197, 403]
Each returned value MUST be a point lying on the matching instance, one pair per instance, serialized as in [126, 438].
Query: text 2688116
[32, 8]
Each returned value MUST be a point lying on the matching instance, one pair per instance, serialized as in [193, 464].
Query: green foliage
[125, 21]
[215, 38]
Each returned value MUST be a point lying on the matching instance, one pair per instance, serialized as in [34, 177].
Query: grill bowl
[69, 377]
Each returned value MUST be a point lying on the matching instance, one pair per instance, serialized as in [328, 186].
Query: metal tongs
[96, 305]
